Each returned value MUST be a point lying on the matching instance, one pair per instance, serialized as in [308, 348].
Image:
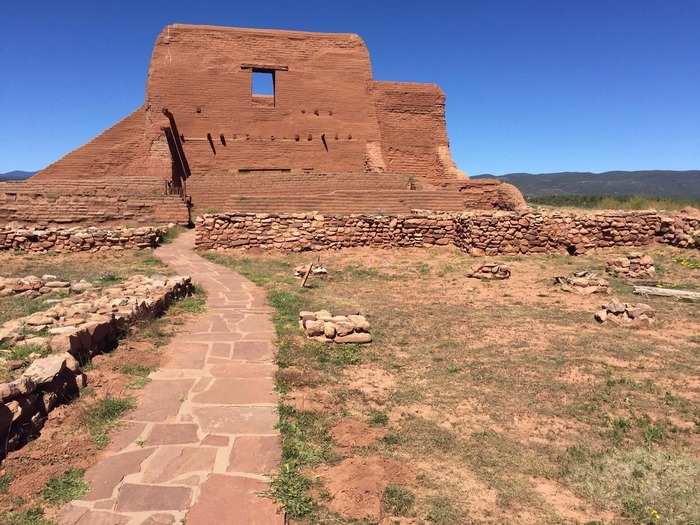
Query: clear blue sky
[532, 85]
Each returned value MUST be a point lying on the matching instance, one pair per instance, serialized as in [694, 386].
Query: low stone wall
[682, 231]
[69, 334]
[495, 233]
[310, 231]
[62, 240]
[513, 233]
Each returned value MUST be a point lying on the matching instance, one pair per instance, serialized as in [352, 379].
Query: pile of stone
[300, 271]
[583, 283]
[625, 314]
[71, 332]
[324, 326]
[77, 239]
[33, 286]
[489, 271]
[633, 266]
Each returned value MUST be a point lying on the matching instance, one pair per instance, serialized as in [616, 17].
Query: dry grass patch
[103, 269]
[509, 387]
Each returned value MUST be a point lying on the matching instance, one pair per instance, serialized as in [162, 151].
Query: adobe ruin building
[327, 137]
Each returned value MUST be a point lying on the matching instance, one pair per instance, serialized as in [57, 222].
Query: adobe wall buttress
[412, 125]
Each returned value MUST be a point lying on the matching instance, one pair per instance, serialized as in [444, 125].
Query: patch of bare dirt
[374, 383]
[310, 399]
[356, 484]
[566, 503]
[352, 432]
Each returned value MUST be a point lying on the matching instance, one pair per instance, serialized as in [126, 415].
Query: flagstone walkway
[199, 445]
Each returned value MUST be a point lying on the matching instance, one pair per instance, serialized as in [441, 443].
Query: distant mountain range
[16, 175]
[656, 183]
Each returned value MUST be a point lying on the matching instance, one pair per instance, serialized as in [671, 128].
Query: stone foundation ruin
[478, 233]
[66, 336]
[326, 136]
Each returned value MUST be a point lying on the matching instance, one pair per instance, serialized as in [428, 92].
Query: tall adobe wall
[202, 75]
[202, 123]
[412, 124]
[327, 113]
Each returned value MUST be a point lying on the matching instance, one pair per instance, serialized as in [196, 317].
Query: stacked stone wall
[477, 233]
[75, 329]
[63, 240]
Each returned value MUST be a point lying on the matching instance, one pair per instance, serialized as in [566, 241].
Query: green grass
[14, 307]
[357, 272]
[442, 511]
[65, 488]
[647, 484]
[378, 419]
[32, 516]
[172, 233]
[614, 202]
[261, 271]
[306, 442]
[103, 415]
[398, 501]
[22, 352]
[5, 481]
[193, 304]
[108, 279]
[139, 374]
[688, 262]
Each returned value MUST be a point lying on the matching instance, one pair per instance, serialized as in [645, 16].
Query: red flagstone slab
[125, 435]
[221, 350]
[109, 472]
[202, 384]
[140, 498]
[255, 323]
[186, 355]
[161, 399]
[173, 434]
[105, 504]
[243, 369]
[253, 350]
[160, 519]
[213, 337]
[74, 515]
[216, 441]
[236, 420]
[219, 325]
[238, 392]
[243, 504]
[170, 463]
[255, 454]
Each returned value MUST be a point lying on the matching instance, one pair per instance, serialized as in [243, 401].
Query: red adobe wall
[196, 73]
[412, 124]
[123, 150]
[327, 117]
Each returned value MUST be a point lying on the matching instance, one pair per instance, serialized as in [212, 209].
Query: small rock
[355, 337]
[359, 322]
[329, 330]
[314, 328]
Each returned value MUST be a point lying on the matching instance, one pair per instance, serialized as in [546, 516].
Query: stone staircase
[133, 200]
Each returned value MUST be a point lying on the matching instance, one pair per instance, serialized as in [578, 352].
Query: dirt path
[202, 439]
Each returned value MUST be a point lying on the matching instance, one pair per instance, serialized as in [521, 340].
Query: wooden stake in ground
[306, 275]
[667, 292]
